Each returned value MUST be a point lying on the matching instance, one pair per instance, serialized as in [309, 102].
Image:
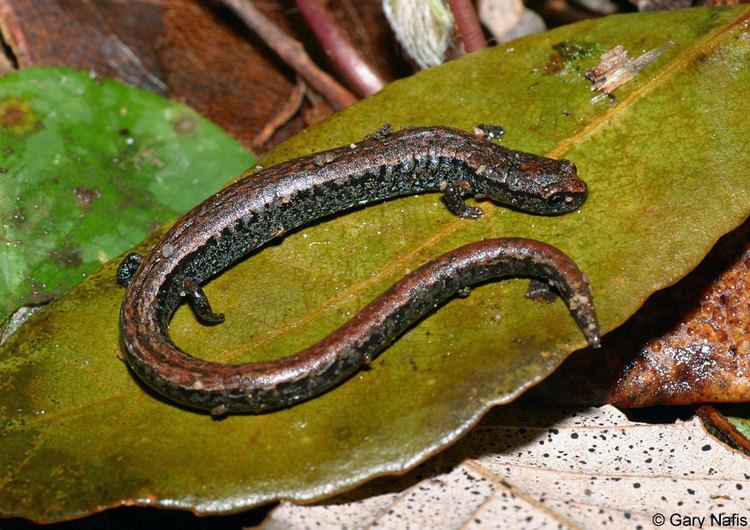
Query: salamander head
[534, 184]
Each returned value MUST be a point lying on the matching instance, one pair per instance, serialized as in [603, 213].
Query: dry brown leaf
[194, 51]
[181, 49]
[530, 467]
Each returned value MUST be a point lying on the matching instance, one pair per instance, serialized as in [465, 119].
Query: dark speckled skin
[249, 213]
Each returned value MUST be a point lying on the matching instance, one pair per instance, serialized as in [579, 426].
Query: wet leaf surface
[90, 167]
[80, 434]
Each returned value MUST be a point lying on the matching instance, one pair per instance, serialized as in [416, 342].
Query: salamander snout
[532, 183]
[565, 191]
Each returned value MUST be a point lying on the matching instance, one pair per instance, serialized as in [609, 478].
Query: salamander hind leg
[454, 198]
[541, 291]
[128, 268]
[200, 304]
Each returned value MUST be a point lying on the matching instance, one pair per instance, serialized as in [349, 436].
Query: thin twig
[317, 111]
[360, 75]
[468, 25]
[713, 418]
[5, 65]
[290, 108]
[292, 53]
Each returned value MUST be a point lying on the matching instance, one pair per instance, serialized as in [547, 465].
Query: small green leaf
[739, 417]
[90, 167]
[667, 168]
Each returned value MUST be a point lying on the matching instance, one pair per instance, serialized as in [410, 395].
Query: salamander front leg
[381, 133]
[200, 304]
[489, 131]
[128, 268]
[454, 198]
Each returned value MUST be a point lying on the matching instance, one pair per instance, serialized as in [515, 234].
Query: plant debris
[615, 67]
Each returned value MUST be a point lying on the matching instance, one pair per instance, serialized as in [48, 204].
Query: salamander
[269, 203]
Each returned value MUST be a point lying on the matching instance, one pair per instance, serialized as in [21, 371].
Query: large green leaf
[90, 167]
[667, 168]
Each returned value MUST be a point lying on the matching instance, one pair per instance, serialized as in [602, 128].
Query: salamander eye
[562, 200]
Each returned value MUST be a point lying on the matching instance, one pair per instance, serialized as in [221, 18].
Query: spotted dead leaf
[534, 467]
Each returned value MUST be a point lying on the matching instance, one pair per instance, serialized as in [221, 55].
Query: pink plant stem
[292, 53]
[360, 75]
[468, 25]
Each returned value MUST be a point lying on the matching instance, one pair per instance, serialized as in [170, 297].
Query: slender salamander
[258, 208]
